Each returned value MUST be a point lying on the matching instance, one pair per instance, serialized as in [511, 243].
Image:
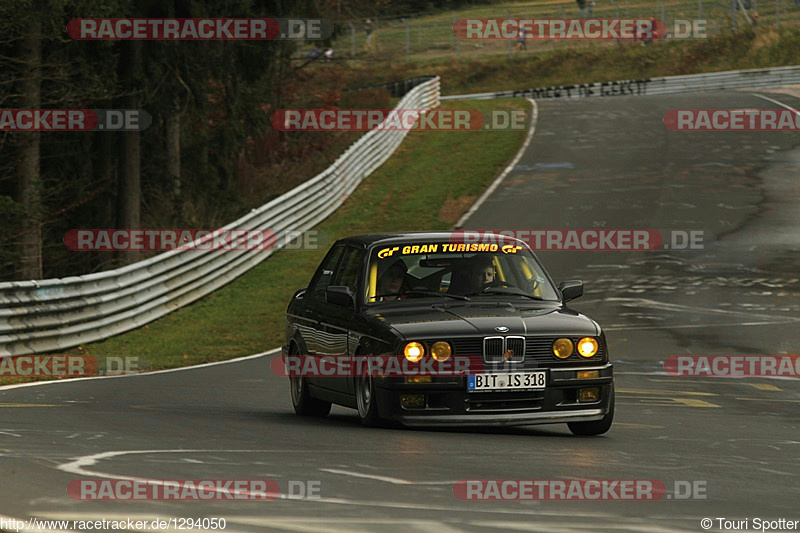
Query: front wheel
[597, 427]
[366, 401]
[302, 401]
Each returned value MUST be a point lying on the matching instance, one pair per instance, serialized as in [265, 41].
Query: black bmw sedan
[432, 297]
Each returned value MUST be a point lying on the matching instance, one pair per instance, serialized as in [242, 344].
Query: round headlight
[441, 351]
[587, 347]
[562, 348]
[414, 351]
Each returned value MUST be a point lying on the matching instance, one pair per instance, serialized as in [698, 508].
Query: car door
[349, 275]
[335, 320]
[314, 300]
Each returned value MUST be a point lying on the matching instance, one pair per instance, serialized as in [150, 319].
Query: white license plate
[506, 381]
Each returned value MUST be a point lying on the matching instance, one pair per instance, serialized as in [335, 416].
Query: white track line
[193, 367]
[387, 479]
[507, 170]
[81, 467]
[790, 108]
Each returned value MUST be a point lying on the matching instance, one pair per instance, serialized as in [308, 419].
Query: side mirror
[571, 289]
[340, 295]
[299, 293]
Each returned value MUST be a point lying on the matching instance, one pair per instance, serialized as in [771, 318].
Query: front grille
[538, 350]
[504, 349]
[517, 346]
[468, 346]
[493, 348]
[541, 349]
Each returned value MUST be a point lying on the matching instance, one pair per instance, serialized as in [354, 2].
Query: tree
[130, 179]
[28, 178]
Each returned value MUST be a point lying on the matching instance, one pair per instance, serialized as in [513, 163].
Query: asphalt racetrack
[594, 163]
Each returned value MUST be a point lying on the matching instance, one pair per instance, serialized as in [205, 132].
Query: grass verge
[597, 62]
[430, 38]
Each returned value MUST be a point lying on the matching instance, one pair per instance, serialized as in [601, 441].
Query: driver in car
[473, 275]
[483, 273]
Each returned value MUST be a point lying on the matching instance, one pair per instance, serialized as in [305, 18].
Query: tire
[304, 404]
[597, 427]
[365, 400]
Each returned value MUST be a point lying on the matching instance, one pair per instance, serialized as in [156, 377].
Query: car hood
[456, 320]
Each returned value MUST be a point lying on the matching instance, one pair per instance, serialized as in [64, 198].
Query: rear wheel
[598, 427]
[304, 404]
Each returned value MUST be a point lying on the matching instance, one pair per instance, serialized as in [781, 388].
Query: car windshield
[455, 271]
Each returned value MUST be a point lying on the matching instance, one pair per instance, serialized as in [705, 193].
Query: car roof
[414, 237]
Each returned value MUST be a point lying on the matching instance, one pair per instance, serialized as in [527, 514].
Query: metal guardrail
[56, 314]
[395, 88]
[731, 79]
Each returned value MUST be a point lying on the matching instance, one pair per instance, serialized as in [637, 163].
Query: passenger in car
[390, 282]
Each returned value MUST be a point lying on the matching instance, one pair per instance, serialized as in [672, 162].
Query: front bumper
[447, 402]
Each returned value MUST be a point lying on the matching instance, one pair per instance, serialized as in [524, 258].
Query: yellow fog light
[562, 348]
[414, 351]
[587, 347]
[589, 374]
[588, 395]
[412, 400]
[418, 379]
[441, 351]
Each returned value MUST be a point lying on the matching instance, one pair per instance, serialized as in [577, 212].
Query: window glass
[322, 278]
[349, 269]
[448, 270]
